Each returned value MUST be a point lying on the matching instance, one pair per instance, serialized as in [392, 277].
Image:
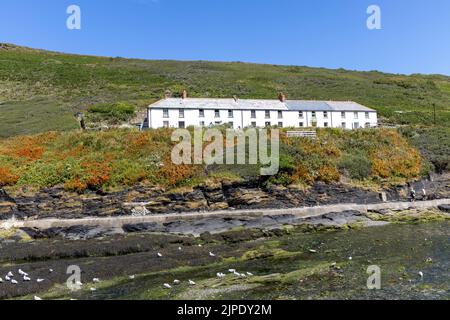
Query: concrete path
[304, 212]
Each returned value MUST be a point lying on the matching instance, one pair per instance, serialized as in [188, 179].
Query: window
[367, 125]
[325, 114]
[181, 113]
[280, 114]
[254, 124]
[218, 123]
[280, 124]
[356, 125]
[267, 114]
[313, 114]
[301, 125]
[343, 125]
[217, 113]
[343, 115]
[355, 115]
[325, 124]
[230, 113]
[165, 113]
[166, 124]
[268, 124]
[253, 116]
[202, 123]
[300, 114]
[367, 115]
[181, 125]
[201, 113]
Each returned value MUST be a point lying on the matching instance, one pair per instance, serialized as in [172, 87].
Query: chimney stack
[282, 97]
[184, 94]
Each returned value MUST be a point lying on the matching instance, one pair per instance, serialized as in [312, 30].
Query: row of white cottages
[241, 113]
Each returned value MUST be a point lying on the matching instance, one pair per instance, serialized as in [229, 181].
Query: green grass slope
[40, 90]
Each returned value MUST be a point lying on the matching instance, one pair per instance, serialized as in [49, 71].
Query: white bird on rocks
[176, 281]
[26, 278]
[220, 275]
[39, 280]
[96, 280]
[167, 286]
[200, 245]
[1, 280]
[421, 274]
[10, 274]
[350, 258]
[179, 249]
[159, 255]
[22, 273]
[7, 278]
[250, 274]
[50, 270]
[243, 275]
[93, 289]
[212, 254]
[232, 270]
[192, 283]
[37, 298]
[132, 277]
[14, 281]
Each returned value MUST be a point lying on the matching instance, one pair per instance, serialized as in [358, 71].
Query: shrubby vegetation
[111, 113]
[120, 158]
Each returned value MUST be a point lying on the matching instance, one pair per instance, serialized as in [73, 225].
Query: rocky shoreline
[144, 200]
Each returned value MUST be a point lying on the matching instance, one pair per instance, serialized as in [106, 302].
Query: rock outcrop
[147, 200]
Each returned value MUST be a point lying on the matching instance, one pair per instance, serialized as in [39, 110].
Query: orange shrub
[302, 174]
[75, 185]
[328, 174]
[96, 174]
[7, 178]
[174, 174]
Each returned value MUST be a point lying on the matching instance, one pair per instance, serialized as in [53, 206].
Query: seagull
[179, 249]
[10, 274]
[93, 289]
[7, 278]
[421, 274]
[232, 270]
[14, 281]
[192, 283]
[237, 274]
[350, 258]
[26, 278]
[159, 255]
[176, 281]
[220, 275]
[50, 270]
[37, 298]
[250, 274]
[313, 251]
[212, 254]
[200, 245]
[167, 286]
[22, 273]
[132, 277]
[1, 280]
[243, 275]
[39, 280]
[96, 280]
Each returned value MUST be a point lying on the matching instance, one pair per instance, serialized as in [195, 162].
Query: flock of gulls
[10, 277]
[219, 275]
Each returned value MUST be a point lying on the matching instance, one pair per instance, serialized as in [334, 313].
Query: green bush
[113, 112]
[356, 166]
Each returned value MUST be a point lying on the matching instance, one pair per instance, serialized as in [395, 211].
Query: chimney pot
[282, 97]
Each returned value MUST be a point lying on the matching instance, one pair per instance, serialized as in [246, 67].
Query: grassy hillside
[118, 158]
[40, 90]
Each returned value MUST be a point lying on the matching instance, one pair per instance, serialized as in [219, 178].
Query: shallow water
[401, 252]
[283, 267]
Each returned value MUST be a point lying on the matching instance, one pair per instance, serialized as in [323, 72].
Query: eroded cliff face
[147, 200]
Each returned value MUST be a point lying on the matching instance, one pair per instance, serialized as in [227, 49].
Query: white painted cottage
[241, 113]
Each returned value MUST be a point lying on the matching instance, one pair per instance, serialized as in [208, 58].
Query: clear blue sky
[415, 35]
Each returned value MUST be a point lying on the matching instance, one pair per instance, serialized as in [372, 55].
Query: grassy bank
[118, 158]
